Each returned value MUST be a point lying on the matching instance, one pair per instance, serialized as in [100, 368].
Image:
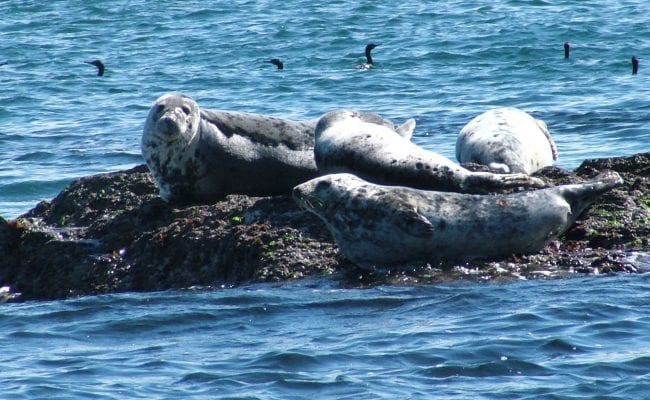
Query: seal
[375, 225]
[507, 140]
[345, 142]
[199, 156]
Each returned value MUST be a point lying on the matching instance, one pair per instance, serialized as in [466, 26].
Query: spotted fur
[346, 143]
[201, 156]
[507, 140]
[375, 225]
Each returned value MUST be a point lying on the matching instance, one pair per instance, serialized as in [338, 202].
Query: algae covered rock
[112, 233]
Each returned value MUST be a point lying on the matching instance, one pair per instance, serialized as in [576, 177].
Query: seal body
[345, 142]
[201, 156]
[375, 225]
[507, 140]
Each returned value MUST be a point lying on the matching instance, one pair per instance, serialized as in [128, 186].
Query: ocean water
[439, 62]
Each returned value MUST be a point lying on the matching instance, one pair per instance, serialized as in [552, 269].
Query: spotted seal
[375, 225]
[345, 142]
[199, 155]
[508, 140]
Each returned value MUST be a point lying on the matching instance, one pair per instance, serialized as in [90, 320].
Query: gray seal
[198, 156]
[345, 142]
[507, 140]
[375, 225]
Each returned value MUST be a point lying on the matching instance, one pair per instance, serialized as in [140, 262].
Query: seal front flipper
[412, 223]
[478, 182]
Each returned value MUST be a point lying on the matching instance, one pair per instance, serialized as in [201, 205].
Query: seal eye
[186, 110]
[160, 109]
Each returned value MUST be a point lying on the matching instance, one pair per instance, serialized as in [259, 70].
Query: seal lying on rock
[200, 155]
[347, 143]
[507, 140]
[393, 225]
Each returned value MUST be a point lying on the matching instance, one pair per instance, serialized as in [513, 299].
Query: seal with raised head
[198, 155]
[375, 225]
[345, 142]
[507, 140]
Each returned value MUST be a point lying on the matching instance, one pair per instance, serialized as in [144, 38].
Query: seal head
[170, 138]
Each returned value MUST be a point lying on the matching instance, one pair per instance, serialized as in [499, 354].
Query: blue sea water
[439, 62]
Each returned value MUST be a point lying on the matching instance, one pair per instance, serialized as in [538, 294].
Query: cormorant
[368, 63]
[567, 49]
[99, 65]
[276, 62]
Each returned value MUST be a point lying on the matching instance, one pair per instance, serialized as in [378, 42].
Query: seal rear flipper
[500, 168]
[542, 126]
[581, 195]
[406, 129]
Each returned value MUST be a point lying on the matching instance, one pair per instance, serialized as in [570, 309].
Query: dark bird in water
[276, 62]
[368, 63]
[635, 65]
[567, 49]
[99, 65]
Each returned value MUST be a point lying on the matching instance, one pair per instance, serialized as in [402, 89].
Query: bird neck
[368, 57]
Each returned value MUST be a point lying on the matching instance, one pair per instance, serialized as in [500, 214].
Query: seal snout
[307, 195]
[300, 196]
[297, 194]
[168, 124]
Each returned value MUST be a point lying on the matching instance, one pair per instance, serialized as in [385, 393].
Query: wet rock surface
[112, 233]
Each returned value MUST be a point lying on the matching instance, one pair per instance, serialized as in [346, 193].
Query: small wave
[489, 369]
[560, 347]
[285, 361]
[38, 156]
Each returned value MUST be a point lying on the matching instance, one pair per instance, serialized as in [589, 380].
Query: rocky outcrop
[111, 233]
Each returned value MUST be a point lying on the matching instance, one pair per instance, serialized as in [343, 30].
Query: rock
[112, 233]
